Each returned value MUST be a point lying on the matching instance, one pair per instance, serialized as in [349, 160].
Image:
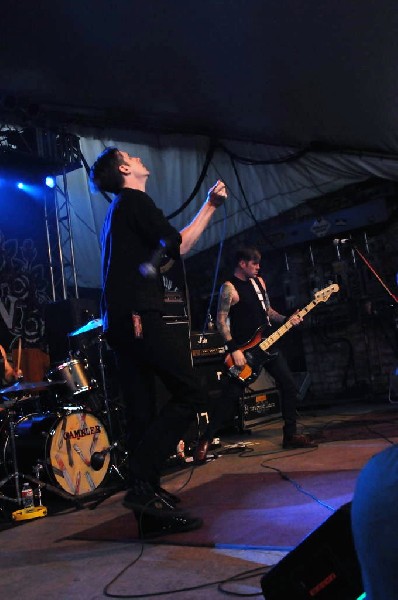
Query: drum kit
[62, 430]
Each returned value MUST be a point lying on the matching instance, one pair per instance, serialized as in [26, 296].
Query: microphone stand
[390, 293]
[373, 270]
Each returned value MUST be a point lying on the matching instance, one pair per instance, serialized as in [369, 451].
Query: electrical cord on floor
[380, 435]
[243, 577]
[219, 582]
[357, 423]
[299, 487]
[250, 453]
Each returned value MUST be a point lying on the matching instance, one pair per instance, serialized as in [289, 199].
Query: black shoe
[299, 441]
[143, 497]
[150, 526]
[168, 496]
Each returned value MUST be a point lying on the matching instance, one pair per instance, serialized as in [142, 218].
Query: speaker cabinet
[178, 329]
[209, 372]
[259, 403]
[324, 566]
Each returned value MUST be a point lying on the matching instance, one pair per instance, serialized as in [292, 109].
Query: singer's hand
[217, 194]
[150, 269]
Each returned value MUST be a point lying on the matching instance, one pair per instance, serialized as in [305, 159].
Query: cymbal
[25, 386]
[90, 326]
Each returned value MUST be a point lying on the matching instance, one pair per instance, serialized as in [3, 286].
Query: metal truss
[42, 152]
[60, 245]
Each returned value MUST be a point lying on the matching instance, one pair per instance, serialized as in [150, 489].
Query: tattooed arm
[227, 297]
[225, 300]
[276, 317]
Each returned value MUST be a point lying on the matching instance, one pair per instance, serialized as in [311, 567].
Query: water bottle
[27, 496]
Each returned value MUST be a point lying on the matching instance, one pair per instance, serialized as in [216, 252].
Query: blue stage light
[20, 185]
[50, 182]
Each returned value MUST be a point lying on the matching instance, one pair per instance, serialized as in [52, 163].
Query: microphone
[97, 459]
[149, 269]
[343, 242]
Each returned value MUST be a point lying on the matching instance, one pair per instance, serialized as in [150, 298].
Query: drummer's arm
[9, 373]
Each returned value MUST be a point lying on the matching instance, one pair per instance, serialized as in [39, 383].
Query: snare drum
[75, 374]
[63, 444]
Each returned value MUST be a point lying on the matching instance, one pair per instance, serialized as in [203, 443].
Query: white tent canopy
[256, 191]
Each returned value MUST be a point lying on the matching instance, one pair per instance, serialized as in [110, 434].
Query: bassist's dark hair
[247, 253]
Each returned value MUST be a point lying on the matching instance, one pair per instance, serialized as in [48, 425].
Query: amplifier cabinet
[207, 345]
[259, 403]
[257, 408]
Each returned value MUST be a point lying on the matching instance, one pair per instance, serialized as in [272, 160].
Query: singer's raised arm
[192, 232]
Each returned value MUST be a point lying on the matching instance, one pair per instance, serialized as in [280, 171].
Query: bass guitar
[255, 350]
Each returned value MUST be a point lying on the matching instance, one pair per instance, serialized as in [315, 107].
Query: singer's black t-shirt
[131, 235]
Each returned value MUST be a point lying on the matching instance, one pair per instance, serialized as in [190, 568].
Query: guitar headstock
[324, 295]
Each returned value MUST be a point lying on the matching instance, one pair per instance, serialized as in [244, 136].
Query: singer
[132, 307]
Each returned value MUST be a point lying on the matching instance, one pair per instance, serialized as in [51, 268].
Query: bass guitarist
[243, 306]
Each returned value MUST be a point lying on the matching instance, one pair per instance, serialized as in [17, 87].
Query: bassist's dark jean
[152, 431]
[225, 408]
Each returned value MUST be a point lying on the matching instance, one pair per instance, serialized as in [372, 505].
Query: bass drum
[63, 444]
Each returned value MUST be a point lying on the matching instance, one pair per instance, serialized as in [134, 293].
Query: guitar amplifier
[207, 345]
[259, 403]
[175, 305]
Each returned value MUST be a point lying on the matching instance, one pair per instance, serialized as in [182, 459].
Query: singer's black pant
[152, 436]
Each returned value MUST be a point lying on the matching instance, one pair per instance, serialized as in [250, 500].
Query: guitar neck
[274, 337]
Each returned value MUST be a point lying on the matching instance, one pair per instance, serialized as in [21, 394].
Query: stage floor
[257, 500]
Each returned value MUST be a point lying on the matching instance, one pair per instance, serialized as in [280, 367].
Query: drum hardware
[98, 458]
[74, 374]
[15, 475]
[92, 335]
[114, 445]
[90, 326]
[25, 386]
[36, 470]
[63, 444]
[28, 397]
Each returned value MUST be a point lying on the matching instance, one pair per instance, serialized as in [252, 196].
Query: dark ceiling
[284, 72]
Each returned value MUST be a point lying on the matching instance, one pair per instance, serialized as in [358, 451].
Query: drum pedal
[33, 512]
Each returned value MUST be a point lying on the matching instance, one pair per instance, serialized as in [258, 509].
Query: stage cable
[255, 221]
[238, 577]
[208, 159]
[87, 169]
[265, 161]
[216, 271]
[299, 487]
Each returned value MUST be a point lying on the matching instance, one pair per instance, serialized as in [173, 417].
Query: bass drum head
[73, 440]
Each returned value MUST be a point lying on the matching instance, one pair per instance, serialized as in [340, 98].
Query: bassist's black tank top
[248, 314]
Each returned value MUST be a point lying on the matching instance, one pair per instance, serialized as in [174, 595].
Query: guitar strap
[260, 295]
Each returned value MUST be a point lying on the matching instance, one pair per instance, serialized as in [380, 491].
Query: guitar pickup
[235, 371]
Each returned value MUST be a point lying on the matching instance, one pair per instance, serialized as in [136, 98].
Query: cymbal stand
[15, 475]
[114, 445]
